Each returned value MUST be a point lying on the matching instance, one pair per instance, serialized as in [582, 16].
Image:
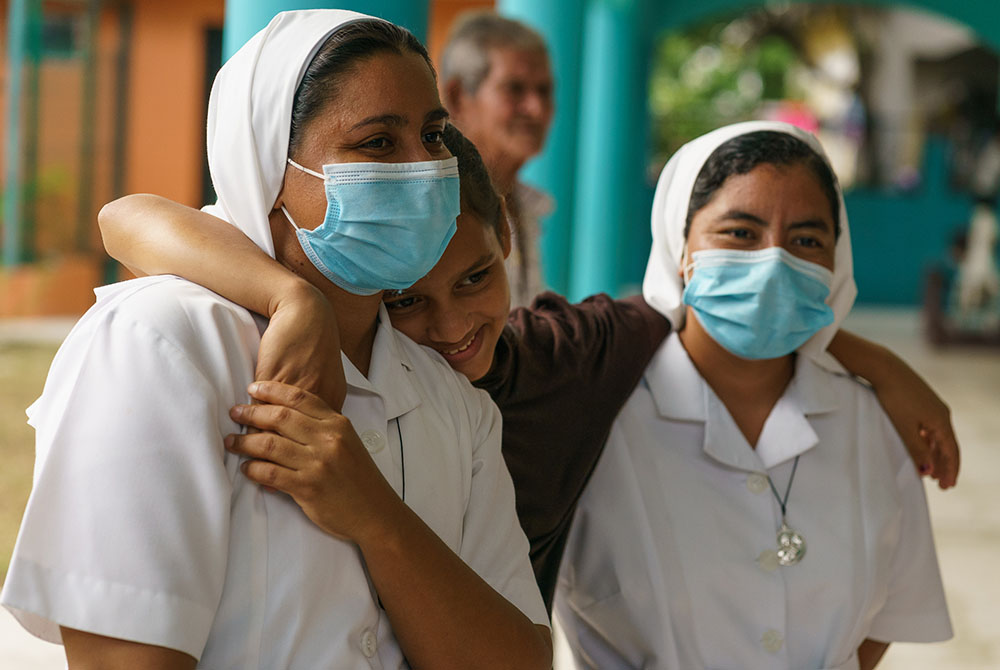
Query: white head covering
[662, 287]
[250, 115]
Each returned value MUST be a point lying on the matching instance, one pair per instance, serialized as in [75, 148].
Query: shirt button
[768, 560]
[757, 483]
[772, 641]
[368, 644]
[373, 440]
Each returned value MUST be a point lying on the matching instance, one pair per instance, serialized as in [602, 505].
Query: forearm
[152, 235]
[870, 653]
[87, 651]
[921, 418]
[868, 360]
[443, 614]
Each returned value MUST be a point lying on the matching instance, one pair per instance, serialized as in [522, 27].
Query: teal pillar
[17, 28]
[559, 21]
[611, 162]
[23, 39]
[245, 17]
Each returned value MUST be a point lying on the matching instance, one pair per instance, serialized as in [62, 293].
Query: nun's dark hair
[479, 196]
[741, 154]
[348, 45]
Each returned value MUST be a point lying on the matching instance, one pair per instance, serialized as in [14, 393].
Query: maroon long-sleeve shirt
[560, 375]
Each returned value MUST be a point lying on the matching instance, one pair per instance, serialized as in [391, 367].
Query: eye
[809, 242]
[375, 143]
[401, 303]
[515, 89]
[739, 233]
[476, 277]
[434, 137]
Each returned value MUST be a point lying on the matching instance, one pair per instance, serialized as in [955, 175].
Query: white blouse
[140, 525]
[671, 561]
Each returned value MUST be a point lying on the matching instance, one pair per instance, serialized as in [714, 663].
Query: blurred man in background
[497, 84]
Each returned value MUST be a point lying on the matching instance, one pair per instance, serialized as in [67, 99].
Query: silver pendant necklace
[791, 544]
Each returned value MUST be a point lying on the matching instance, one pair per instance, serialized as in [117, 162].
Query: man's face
[508, 116]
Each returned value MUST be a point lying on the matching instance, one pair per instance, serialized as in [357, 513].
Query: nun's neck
[357, 321]
[357, 316]
[748, 388]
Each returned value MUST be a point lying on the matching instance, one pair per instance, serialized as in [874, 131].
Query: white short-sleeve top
[140, 525]
[671, 561]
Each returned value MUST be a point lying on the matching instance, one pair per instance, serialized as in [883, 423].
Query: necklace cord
[784, 501]
[402, 460]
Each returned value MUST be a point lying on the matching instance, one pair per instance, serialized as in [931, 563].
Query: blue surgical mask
[758, 304]
[386, 224]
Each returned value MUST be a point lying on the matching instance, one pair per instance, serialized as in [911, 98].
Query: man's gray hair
[466, 54]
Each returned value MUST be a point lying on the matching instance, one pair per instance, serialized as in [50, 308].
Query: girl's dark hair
[479, 196]
[743, 153]
[341, 52]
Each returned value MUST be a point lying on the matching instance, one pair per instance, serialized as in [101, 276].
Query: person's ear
[453, 94]
[683, 266]
[504, 228]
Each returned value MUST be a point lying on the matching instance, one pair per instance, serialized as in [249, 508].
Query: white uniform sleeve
[126, 530]
[915, 608]
[493, 543]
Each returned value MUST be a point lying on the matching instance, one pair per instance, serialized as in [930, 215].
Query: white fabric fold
[250, 115]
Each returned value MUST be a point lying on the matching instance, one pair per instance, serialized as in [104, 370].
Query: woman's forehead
[793, 190]
[397, 88]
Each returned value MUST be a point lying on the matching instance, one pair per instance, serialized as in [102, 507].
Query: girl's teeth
[461, 348]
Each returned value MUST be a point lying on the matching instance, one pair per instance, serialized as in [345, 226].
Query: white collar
[389, 371]
[533, 202]
[681, 394]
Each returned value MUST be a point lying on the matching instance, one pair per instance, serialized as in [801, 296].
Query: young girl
[752, 509]
[146, 545]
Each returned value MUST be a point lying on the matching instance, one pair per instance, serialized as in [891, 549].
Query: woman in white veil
[386, 536]
[753, 508]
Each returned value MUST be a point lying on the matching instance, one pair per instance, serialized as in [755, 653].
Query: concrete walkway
[966, 519]
[20, 651]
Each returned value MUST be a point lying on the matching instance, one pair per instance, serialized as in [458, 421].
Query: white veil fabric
[662, 287]
[250, 115]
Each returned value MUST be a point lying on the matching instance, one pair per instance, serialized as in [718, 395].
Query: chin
[473, 370]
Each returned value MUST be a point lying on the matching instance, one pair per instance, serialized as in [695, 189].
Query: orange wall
[443, 13]
[166, 124]
[165, 128]
[165, 134]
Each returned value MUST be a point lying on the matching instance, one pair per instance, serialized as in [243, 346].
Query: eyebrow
[739, 215]
[398, 120]
[386, 119]
[481, 261]
[437, 115]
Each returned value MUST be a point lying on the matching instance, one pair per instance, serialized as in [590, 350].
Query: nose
[536, 105]
[450, 323]
[418, 152]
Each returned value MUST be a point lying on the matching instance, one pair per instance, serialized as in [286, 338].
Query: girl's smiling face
[460, 307]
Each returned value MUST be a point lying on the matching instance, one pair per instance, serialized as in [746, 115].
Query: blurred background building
[107, 97]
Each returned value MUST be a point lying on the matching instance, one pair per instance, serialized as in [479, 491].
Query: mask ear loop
[288, 216]
[307, 171]
[687, 269]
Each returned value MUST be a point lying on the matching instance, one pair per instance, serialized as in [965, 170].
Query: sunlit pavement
[21, 651]
[966, 519]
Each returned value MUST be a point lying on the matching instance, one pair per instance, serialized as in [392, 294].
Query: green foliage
[714, 74]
